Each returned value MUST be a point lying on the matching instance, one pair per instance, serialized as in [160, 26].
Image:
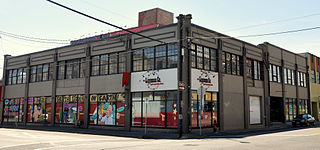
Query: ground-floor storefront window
[209, 114]
[303, 106]
[290, 109]
[69, 109]
[155, 109]
[107, 109]
[13, 110]
[39, 109]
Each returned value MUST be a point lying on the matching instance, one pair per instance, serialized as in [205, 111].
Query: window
[301, 79]
[303, 106]
[253, 69]
[256, 70]
[69, 109]
[95, 65]
[108, 64]
[223, 62]
[71, 69]
[193, 58]
[113, 63]
[274, 73]
[203, 58]
[122, 62]
[20, 76]
[137, 60]
[107, 109]
[172, 55]
[33, 74]
[213, 58]
[289, 76]
[228, 63]
[9, 79]
[148, 58]
[249, 68]
[199, 57]
[155, 109]
[39, 109]
[234, 64]
[45, 71]
[206, 54]
[61, 70]
[313, 76]
[39, 73]
[231, 64]
[13, 110]
[160, 57]
[318, 77]
[279, 74]
[14, 76]
[293, 76]
[209, 110]
[285, 76]
[290, 109]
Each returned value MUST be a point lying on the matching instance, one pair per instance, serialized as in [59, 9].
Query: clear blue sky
[39, 18]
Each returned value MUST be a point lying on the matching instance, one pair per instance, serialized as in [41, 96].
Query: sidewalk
[160, 135]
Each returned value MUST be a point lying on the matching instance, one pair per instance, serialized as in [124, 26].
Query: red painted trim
[312, 62]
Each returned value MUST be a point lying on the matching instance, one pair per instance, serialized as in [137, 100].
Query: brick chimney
[155, 16]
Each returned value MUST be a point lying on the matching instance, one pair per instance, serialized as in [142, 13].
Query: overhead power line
[35, 38]
[32, 40]
[255, 35]
[276, 33]
[273, 22]
[99, 20]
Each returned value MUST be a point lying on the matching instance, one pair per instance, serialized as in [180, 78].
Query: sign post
[201, 92]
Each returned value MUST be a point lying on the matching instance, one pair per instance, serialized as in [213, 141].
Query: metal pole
[201, 97]
[146, 120]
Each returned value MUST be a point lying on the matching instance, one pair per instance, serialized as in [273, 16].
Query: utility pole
[184, 71]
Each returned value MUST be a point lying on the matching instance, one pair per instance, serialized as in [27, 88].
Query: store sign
[154, 80]
[207, 79]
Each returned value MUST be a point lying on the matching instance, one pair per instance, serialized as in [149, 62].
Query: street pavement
[25, 139]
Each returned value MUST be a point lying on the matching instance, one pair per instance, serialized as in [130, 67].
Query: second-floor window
[71, 69]
[16, 76]
[203, 57]
[108, 63]
[274, 73]
[158, 57]
[313, 76]
[41, 72]
[301, 79]
[231, 64]
[289, 76]
[254, 70]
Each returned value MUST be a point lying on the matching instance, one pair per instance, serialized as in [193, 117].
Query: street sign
[181, 86]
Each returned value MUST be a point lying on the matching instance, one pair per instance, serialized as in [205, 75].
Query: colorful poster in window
[106, 113]
[69, 113]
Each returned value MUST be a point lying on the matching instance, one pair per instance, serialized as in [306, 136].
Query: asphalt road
[305, 138]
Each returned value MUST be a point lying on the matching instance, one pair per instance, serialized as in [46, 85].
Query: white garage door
[255, 110]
